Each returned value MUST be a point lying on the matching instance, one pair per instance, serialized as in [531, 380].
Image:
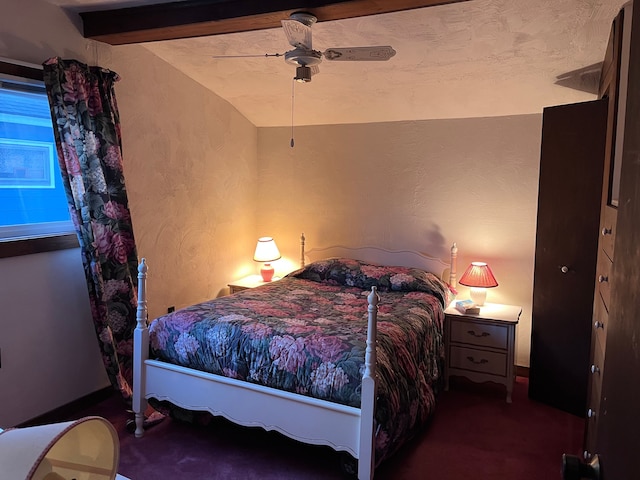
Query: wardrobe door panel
[569, 195]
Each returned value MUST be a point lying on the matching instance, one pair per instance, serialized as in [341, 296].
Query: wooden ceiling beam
[196, 18]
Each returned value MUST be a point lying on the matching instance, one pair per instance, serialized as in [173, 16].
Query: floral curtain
[87, 133]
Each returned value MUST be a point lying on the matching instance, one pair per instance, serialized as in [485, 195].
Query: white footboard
[302, 418]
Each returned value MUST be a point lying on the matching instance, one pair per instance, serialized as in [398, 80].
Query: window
[32, 198]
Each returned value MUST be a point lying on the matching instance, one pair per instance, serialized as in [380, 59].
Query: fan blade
[249, 56]
[351, 54]
[298, 34]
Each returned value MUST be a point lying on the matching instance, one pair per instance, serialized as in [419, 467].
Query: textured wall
[412, 185]
[191, 171]
[34, 30]
[50, 353]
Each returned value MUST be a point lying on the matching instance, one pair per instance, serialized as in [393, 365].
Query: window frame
[13, 247]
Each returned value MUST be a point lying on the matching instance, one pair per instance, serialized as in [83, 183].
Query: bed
[346, 352]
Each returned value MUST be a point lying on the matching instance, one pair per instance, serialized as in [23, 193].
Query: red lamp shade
[478, 276]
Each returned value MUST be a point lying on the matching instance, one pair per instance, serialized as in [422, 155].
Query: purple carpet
[475, 434]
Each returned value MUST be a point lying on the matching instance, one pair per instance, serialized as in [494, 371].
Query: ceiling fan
[297, 28]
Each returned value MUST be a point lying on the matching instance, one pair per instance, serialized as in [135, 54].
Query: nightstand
[481, 347]
[250, 281]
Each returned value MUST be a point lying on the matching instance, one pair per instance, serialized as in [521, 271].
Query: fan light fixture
[303, 74]
[479, 277]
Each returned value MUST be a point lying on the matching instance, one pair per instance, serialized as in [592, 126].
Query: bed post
[453, 280]
[366, 454]
[302, 260]
[140, 350]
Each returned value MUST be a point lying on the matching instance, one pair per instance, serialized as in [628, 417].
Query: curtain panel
[88, 142]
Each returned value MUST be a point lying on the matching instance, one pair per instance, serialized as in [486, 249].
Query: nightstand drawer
[236, 288]
[478, 360]
[251, 281]
[480, 334]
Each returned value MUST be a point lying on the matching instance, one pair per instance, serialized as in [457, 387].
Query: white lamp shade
[266, 250]
[85, 449]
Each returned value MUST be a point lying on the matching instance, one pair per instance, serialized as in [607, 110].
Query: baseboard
[64, 412]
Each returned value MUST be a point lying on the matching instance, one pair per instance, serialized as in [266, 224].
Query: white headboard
[381, 256]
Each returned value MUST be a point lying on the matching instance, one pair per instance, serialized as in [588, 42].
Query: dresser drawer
[481, 361]
[591, 427]
[592, 414]
[480, 334]
[600, 320]
[595, 379]
[608, 230]
[603, 276]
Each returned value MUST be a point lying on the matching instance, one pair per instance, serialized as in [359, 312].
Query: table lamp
[266, 252]
[479, 277]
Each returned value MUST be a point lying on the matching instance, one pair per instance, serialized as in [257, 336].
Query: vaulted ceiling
[454, 59]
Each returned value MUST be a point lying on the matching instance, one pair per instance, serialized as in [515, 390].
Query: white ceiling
[471, 59]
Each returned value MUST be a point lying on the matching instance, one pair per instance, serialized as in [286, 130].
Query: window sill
[29, 246]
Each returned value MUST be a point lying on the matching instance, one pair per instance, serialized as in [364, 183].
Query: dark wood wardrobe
[574, 245]
[613, 417]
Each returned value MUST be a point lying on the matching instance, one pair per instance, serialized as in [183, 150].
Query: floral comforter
[307, 334]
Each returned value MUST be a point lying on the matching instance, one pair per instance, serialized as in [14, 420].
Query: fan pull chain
[293, 87]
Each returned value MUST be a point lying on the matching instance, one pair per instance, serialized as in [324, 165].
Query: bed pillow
[356, 273]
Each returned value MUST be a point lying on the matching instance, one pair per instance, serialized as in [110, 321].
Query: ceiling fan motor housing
[303, 74]
[303, 57]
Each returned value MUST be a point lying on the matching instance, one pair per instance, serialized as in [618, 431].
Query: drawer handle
[594, 369]
[606, 231]
[598, 324]
[474, 334]
[482, 361]
[591, 413]
[602, 278]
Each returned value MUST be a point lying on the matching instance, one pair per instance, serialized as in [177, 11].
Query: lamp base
[478, 295]
[267, 272]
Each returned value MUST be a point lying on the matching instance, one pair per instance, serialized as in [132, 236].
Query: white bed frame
[302, 418]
